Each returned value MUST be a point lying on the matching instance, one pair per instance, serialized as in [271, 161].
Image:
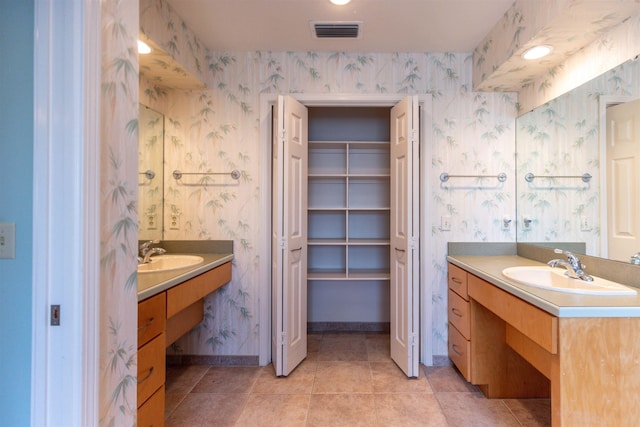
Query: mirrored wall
[150, 177]
[565, 184]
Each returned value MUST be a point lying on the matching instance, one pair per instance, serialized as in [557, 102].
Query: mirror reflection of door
[623, 185]
[150, 173]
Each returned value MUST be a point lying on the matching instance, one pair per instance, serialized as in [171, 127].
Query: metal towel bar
[585, 177]
[444, 177]
[235, 174]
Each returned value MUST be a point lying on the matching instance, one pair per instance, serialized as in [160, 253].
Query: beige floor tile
[447, 379]
[275, 410]
[337, 410]
[388, 378]
[300, 381]
[409, 409]
[181, 379]
[203, 409]
[313, 343]
[343, 377]
[531, 412]
[378, 348]
[343, 347]
[172, 401]
[473, 409]
[228, 380]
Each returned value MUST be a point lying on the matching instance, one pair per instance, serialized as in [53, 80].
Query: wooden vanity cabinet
[587, 365]
[162, 319]
[459, 333]
[151, 360]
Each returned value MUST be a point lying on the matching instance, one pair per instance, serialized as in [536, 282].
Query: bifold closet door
[289, 235]
[404, 262]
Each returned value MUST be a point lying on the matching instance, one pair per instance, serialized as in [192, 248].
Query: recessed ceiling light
[340, 2]
[143, 48]
[537, 52]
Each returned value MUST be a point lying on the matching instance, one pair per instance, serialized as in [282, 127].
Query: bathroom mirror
[150, 173]
[561, 175]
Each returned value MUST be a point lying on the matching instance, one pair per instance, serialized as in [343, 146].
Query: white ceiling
[387, 25]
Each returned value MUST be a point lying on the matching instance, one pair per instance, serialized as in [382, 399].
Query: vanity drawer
[460, 352]
[151, 318]
[151, 413]
[458, 281]
[151, 368]
[459, 314]
[185, 294]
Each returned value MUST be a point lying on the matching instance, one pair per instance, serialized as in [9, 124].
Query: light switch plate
[7, 240]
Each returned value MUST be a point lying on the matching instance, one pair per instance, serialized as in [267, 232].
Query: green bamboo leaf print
[314, 74]
[132, 126]
[380, 88]
[246, 108]
[172, 46]
[124, 226]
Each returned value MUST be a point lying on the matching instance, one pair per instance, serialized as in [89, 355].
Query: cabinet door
[404, 229]
[289, 238]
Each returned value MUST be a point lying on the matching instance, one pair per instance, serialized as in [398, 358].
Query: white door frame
[340, 100]
[604, 102]
[66, 196]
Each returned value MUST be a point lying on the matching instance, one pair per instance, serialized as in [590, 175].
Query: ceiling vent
[336, 30]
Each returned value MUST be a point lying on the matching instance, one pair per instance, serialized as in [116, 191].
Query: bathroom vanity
[170, 304]
[517, 341]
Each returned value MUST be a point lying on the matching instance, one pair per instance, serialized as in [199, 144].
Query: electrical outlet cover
[8, 240]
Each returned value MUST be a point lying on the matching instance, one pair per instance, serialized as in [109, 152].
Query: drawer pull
[456, 312]
[456, 280]
[454, 347]
[146, 325]
[151, 369]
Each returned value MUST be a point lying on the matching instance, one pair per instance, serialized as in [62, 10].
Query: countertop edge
[532, 295]
[214, 260]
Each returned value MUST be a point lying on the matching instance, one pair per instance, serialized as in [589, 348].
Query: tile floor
[346, 380]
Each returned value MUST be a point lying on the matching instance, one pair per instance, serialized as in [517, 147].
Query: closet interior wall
[348, 218]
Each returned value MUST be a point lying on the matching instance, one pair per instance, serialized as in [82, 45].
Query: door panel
[289, 238]
[623, 163]
[404, 236]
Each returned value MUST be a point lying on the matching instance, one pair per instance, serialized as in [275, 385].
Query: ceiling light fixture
[143, 48]
[340, 2]
[537, 52]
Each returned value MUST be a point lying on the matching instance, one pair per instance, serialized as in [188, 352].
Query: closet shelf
[352, 275]
[348, 242]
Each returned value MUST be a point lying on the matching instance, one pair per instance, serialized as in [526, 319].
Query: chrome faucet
[635, 258]
[152, 251]
[575, 269]
[146, 251]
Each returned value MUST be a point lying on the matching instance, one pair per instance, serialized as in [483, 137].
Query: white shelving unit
[348, 215]
[348, 210]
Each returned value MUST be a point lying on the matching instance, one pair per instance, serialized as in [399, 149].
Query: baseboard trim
[441, 360]
[195, 359]
[319, 327]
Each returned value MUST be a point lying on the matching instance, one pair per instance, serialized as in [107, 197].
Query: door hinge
[413, 339]
[282, 339]
[414, 242]
[55, 315]
[282, 244]
[414, 136]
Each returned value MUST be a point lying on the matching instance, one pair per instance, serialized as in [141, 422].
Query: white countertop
[150, 284]
[560, 304]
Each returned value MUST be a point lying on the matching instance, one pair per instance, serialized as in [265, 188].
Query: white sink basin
[160, 263]
[555, 279]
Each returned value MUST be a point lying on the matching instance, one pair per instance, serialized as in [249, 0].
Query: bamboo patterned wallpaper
[118, 218]
[218, 130]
